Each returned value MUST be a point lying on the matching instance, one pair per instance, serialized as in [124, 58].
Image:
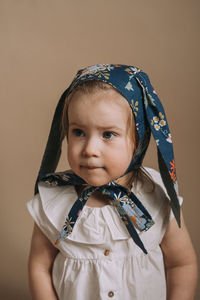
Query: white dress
[99, 260]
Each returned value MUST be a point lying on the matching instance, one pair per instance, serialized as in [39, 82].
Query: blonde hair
[92, 86]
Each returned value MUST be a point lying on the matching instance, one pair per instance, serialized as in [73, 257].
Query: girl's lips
[90, 167]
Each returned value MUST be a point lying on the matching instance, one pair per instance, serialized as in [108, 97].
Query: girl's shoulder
[50, 207]
[150, 181]
[154, 197]
[157, 180]
[155, 175]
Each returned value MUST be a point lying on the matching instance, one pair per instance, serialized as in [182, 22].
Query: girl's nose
[91, 148]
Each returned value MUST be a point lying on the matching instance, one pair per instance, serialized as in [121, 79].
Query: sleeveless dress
[99, 260]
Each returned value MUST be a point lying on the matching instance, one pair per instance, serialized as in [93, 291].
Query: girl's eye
[78, 132]
[108, 135]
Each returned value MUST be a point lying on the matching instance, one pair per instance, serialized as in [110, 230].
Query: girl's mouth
[90, 167]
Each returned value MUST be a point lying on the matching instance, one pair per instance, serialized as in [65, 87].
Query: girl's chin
[96, 177]
[96, 181]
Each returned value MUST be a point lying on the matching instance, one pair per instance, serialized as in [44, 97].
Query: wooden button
[110, 294]
[106, 252]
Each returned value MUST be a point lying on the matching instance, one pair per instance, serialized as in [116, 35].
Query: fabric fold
[95, 226]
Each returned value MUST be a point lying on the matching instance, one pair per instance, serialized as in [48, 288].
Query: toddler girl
[105, 229]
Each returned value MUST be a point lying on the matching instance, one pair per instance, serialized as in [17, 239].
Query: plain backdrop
[43, 43]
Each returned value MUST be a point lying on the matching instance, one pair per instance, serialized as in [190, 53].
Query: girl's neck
[97, 199]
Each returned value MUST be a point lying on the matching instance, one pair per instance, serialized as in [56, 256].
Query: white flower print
[162, 123]
[169, 139]
[129, 86]
[95, 69]
[156, 126]
[155, 119]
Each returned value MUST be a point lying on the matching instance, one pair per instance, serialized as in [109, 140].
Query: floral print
[158, 121]
[169, 138]
[134, 106]
[173, 170]
[99, 70]
[132, 70]
[68, 225]
[129, 86]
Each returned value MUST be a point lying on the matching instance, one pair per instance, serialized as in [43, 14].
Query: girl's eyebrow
[76, 124]
[109, 127]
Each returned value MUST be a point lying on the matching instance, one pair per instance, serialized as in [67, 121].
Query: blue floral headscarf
[135, 86]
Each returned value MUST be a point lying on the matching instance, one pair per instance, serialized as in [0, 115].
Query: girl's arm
[180, 262]
[42, 255]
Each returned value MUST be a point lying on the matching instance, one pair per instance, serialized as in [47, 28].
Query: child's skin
[100, 149]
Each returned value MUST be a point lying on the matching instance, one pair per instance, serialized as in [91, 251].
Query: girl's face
[100, 147]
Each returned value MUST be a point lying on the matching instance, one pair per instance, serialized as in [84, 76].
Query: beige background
[43, 43]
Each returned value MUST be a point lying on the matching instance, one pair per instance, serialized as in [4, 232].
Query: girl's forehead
[109, 106]
[92, 98]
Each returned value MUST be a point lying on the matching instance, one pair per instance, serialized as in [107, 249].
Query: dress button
[106, 252]
[110, 294]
